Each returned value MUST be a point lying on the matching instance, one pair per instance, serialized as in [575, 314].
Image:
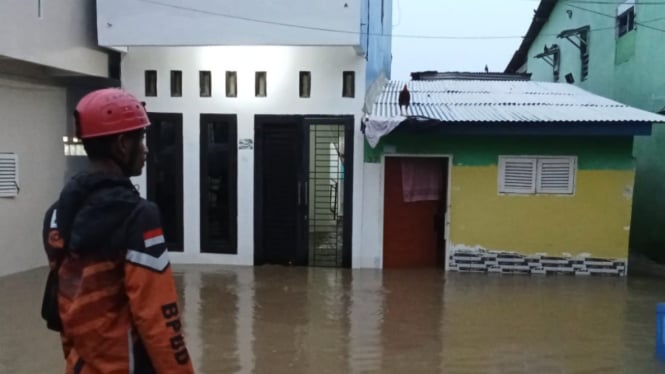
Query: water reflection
[539, 325]
[299, 320]
[366, 316]
[411, 336]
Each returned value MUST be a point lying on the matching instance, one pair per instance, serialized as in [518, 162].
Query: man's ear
[121, 145]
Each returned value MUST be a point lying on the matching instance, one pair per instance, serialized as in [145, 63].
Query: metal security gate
[326, 194]
[303, 190]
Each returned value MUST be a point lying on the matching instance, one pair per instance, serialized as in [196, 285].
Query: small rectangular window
[537, 175]
[261, 84]
[40, 9]
[9, 186]
[305, 84]
[205, 83]
[349, 84]
[231, 84]
[625, 18]
[151, 82]
[176, 83]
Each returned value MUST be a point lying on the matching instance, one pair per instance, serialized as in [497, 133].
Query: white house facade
[256, 153]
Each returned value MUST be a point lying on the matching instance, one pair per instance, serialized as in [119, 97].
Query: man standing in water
[111, 292]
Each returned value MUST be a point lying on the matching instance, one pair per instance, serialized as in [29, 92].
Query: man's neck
[107, 167]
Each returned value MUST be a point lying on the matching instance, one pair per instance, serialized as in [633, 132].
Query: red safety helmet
[109, 111]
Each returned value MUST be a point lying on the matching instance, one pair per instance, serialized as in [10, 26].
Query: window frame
[231, 83]
[349, 90]
[261, 84]
[205, 83]
[11, 157]
[206, 245]
[305, 84]
[150, 83]
[176, 83]
[537, 188]
[626, 12]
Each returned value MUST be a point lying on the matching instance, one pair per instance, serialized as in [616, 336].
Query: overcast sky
[457, 18]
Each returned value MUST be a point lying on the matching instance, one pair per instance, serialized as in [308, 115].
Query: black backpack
[50, 308]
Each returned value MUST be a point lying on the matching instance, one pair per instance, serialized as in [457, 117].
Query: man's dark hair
[100, 148]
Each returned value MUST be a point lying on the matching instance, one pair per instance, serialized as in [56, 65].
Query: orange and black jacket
[116, 296]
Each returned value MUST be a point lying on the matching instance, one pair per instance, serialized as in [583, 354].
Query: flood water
[299, 320]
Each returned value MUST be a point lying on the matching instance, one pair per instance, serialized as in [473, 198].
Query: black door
[280, 192]
[164, 174]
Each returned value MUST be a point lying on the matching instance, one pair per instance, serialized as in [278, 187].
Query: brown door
[412, 231]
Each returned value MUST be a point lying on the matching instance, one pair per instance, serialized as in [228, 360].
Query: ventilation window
[537, 175]
[176, 83]
[261, 84]
[305, 84]
[40, 9]
[349, 84]
[151, 83]
[231, 84]
[205, 84]
[9, 175]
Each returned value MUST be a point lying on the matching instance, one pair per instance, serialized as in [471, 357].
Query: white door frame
[448, 198]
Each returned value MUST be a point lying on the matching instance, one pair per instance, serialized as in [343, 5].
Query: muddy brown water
[300, 320]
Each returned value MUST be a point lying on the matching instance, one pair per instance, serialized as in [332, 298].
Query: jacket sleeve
[152, 294]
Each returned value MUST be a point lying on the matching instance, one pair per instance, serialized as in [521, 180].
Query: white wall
[32, 123]
[371, 206]
[214, 23]
[282, 65]
[64, 37]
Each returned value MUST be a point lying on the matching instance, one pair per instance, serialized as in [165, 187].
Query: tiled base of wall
[483, 261]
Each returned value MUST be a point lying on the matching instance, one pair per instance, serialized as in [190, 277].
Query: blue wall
[377, 17]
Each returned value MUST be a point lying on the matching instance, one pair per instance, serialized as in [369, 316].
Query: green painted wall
[594, 153]
[627, 69]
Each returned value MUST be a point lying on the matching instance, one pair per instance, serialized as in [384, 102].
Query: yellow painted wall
[596, 220]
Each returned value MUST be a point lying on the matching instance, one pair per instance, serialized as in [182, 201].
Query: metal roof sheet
[505, 101]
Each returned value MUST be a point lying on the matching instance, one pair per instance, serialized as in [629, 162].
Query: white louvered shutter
[517, 175]
[8, 175]
[556, 175]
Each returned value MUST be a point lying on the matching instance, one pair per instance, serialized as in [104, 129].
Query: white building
[49, 58]
[256, 149]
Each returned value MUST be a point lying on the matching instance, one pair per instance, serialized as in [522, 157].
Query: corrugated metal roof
[468, 76]
[505, 101]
